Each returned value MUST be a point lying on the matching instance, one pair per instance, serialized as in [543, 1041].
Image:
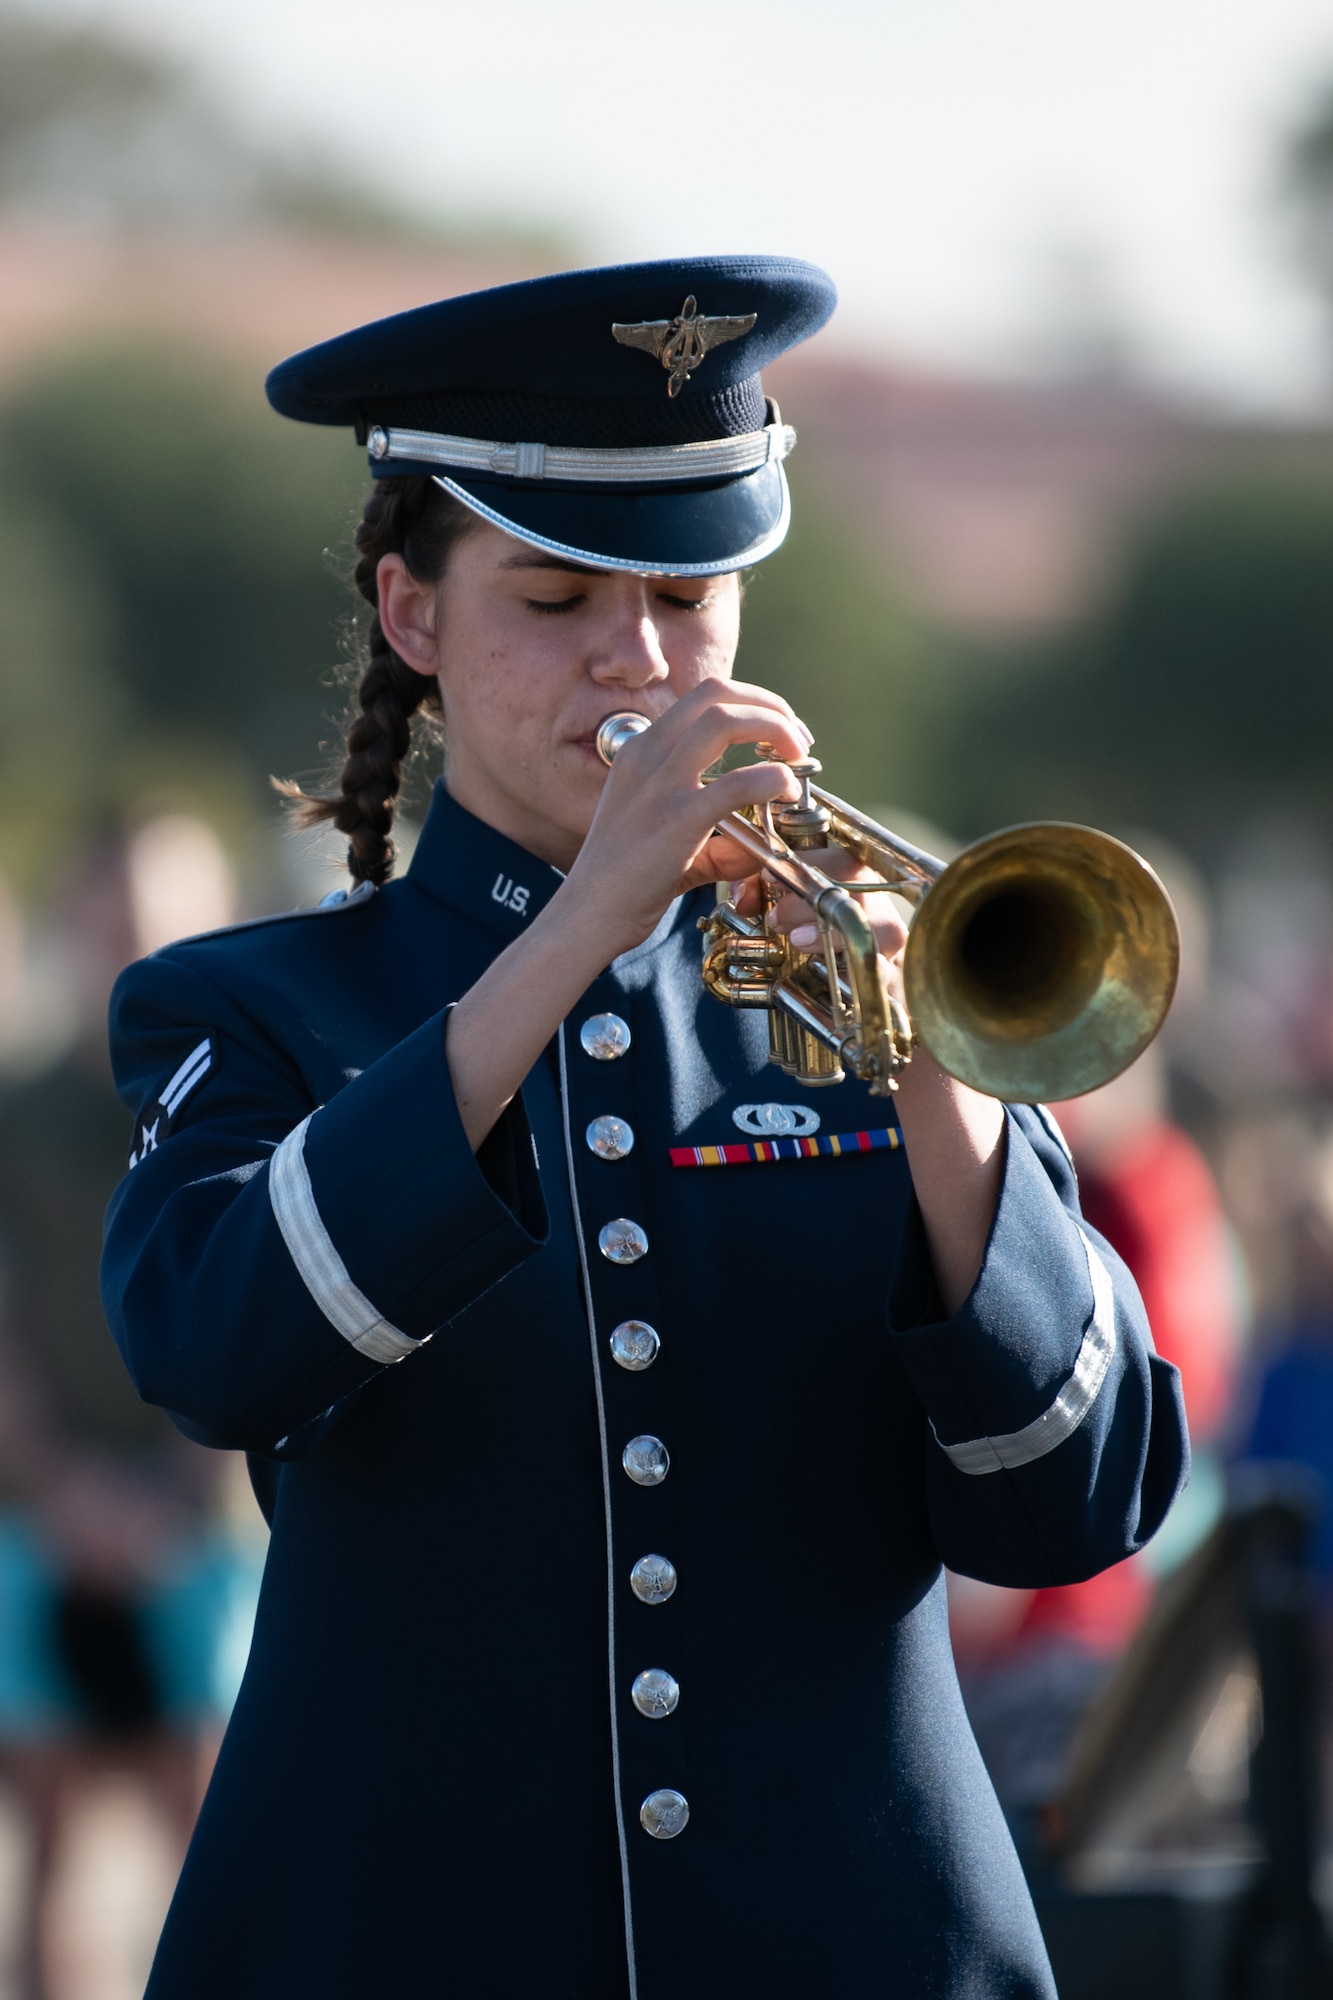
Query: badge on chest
[791, 1132]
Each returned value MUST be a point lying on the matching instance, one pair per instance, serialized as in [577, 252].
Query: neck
[527, 827]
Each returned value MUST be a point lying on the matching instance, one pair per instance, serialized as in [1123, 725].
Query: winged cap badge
[680, 344]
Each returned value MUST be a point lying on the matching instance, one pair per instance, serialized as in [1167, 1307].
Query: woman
[602, 1644]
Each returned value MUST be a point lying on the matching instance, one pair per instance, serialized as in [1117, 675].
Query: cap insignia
[680, 344]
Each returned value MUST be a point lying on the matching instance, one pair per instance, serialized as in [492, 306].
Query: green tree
[825, 627]
[168, 614]
[1203, 696]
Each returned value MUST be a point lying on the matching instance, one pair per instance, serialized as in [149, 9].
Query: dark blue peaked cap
[615, 416]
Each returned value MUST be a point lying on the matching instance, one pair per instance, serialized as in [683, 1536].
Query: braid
[414, 518]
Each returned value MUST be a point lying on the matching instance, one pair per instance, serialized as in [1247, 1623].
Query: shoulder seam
[359, 898]
[166, 959]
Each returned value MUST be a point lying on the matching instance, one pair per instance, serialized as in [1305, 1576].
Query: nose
[628, 649]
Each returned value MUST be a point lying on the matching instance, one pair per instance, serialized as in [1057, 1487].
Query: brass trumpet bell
[1038, 965]
[1042, 962]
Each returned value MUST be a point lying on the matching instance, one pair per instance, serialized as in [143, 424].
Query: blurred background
[1063, 546]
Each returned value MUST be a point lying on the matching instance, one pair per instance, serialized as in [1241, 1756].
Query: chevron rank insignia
[833, 1145]
[680, 344]
[156, 1121]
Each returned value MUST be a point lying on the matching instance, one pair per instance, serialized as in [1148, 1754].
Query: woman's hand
[653, 834]
[793, 915]
[652, 838]
[953, 1135]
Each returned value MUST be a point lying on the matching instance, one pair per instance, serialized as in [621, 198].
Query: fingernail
[805, 936]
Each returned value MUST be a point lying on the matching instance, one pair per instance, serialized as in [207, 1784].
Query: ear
[407, 615]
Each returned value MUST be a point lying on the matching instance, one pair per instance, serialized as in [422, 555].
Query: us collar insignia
[680, 344]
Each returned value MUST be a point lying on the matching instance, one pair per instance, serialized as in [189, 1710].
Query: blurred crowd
[129, 1558]
[1209, 1167]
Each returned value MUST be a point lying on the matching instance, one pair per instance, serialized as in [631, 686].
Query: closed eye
[686, 603]
[554, 607]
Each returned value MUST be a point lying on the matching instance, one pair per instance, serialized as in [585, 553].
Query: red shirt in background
[1154, 1200]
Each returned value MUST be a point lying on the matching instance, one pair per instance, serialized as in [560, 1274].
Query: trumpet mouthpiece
[616, 731]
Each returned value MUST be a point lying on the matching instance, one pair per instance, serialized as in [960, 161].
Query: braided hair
[414, 518]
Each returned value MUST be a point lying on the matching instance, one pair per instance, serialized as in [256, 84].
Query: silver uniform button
[653, 1579]
[664, 1814]
[622, 1241]
[655, 1693]
[646, 1460]
[610, 1138]
[634, 1345]
[604, 1037]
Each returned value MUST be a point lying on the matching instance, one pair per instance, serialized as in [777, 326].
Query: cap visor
[692, 531]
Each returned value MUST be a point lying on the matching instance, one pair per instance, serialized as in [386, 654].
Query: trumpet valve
[806, 824]
[740, 968]
[815, 1063]
[802, 826]
[781, 1040]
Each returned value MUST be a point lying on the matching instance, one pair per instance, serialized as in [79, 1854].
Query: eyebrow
[534, 559]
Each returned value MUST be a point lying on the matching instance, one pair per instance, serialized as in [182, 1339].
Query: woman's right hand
[652, 838]
[653, 835]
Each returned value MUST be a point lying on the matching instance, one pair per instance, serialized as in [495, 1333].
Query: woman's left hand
[953, 1135]
[793, 914]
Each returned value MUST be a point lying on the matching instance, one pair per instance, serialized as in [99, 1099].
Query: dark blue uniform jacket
[433, 1778]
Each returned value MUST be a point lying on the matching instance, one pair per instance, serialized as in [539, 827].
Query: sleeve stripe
[194, 1066]
[1076, 1398]
[171, 1104]
[322, 1270]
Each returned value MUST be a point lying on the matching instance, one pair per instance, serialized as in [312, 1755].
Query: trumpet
[1038, 964]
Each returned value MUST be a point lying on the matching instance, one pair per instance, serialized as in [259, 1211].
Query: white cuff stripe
[322, 1270]
[1076, 1398]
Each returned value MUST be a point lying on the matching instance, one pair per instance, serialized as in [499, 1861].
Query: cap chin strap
[648, 465]
[637, 565]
